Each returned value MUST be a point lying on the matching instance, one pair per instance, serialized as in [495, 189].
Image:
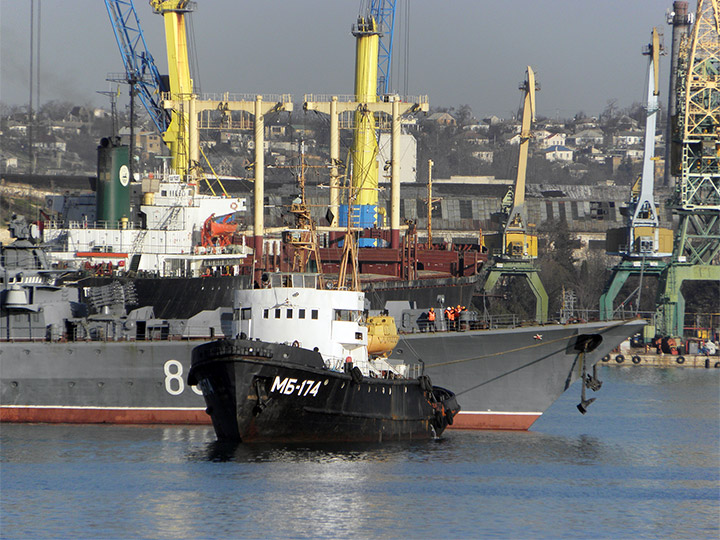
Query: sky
[461, 52]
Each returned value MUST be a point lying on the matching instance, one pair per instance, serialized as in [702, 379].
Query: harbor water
[644, 462]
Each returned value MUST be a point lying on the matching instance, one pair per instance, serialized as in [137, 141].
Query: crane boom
[140, 70]
[383, 11]
[645, 213]
[517, 243]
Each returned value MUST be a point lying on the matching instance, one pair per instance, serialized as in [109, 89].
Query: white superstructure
[164, 241]
[294, 310]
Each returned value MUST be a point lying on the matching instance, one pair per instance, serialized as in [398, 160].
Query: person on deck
[431, 320]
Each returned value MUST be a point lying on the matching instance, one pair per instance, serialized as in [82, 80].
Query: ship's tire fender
[620, 358]
[680, 359]
[717, 364]
[449, 416]
[356, 375]
[636, 359]
[425, 383]
[606, 358]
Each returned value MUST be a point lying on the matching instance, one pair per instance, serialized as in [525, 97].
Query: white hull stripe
[502, 412]
[102, 408]
[202, 409]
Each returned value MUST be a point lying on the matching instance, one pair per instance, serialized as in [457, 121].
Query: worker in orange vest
[451, 318]
[431, 320]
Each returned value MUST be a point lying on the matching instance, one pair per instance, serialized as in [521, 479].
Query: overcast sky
[584, 52]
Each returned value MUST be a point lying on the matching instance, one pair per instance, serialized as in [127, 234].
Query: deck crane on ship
[642, 244]
[517, 252]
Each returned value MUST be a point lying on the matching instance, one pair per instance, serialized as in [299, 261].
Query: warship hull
[503, 379]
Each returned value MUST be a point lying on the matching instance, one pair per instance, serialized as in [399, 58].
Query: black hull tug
[337, 385]
[267, 392]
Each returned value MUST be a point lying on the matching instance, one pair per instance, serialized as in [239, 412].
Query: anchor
[588, 344]
[592, 381]
[262, 398]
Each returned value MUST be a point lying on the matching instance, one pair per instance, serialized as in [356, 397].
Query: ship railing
[227, 97]
[349, 98]
[93, 225]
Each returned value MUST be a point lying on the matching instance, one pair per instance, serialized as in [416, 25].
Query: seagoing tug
[304, 369]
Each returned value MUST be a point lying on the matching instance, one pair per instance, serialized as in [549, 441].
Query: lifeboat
[382, 335]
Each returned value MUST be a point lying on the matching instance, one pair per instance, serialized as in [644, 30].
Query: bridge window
[301, 313]
[314, 313]
[246, 313]
[289, 313]
[277, 313]
[265, 313]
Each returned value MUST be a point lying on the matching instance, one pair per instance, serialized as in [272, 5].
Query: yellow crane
[518, 250]
[517, 242]
[177, 136]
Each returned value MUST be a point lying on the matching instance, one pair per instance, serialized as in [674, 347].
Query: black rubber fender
[425, 383]
[717, 364]
[680, 359]
[636, 359]
[707, 363]
[606, 358]
[620, 358]
[356, 375]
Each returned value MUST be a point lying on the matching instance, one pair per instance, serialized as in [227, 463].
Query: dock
[662, 360]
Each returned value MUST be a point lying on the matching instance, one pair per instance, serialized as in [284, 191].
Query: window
[314, 313]
[289, 313]
[345, 315]
[265, 314]
[246, 313]
[301, 313]
[277, 313]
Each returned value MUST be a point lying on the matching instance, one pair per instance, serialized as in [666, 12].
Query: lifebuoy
[619, 358]
[606, 358]
[680, 359]
[234, 205]
[636, 359]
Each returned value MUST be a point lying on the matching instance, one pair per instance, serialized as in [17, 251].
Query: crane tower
[642, 243]
[518, 250]
[696, 141]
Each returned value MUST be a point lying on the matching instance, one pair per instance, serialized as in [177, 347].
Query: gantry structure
[696, 164]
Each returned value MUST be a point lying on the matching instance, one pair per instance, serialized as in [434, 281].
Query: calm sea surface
[643, 463]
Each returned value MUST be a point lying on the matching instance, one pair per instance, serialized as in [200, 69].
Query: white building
[559, 153]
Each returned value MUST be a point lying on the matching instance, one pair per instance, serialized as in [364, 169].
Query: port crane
[642, 244]
[696, 163]
[517, 250]
[142, 73]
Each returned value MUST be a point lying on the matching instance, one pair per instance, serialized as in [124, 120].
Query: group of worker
[451, 315]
